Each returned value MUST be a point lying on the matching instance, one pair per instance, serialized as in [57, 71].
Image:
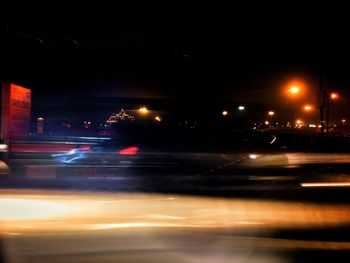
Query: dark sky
[249, 55]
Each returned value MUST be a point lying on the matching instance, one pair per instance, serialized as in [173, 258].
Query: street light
[308, 108]
[294, 90]
[224, 113]
[157, 118]
[331, 96]
[334, 96]
[241, 108]
[270, 114]
[40, 125]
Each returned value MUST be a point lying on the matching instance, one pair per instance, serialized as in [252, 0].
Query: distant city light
[271, 113]
[224, 113]
[343, 121]
[267, 122]
[119, 117]
[143, 110]
[40, 119]
[157, 118]
[312, 125]
[87, 124]
[241, 108]
[299, 122]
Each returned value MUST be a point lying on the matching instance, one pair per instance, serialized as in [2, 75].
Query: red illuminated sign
[16, 110]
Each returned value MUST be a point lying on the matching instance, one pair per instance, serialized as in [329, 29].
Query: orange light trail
[326, 184]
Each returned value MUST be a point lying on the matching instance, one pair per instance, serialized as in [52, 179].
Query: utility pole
[322, 104]
[328, 105]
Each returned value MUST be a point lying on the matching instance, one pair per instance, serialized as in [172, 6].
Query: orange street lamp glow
[224, 113]
[334, 96]
[308, 108]
[294, 90]
[271, 113]
[157, 118]
[299, 122]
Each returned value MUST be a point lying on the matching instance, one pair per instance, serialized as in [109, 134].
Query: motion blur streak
[65, 226]
[278, 243]
[129, 151]
[41, 211]
[295, 159]
[310, 158]
[326, 184]
[44, 148]
[22, 209]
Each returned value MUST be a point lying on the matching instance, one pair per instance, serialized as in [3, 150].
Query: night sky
[249, 56]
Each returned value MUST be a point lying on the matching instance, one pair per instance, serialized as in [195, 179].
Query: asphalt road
[281, 176]
[183, 207]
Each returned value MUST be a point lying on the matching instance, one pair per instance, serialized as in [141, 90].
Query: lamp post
[270, 115]
[330, 96]
[293, 92]
[40, 125]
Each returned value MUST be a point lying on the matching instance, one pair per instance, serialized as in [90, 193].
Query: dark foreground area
[137, 204]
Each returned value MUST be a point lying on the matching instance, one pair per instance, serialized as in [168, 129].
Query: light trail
[46, 211]
[326, 184]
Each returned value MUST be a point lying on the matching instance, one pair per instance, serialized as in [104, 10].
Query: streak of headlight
[278, 243]
[95, 138]
[73, 159]
[273, 140]
[45, 211]
[253, 156]
[134, 225]
[325, 184]
[309, 158]
[144, 225]
[71, 152]
[21, 209]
